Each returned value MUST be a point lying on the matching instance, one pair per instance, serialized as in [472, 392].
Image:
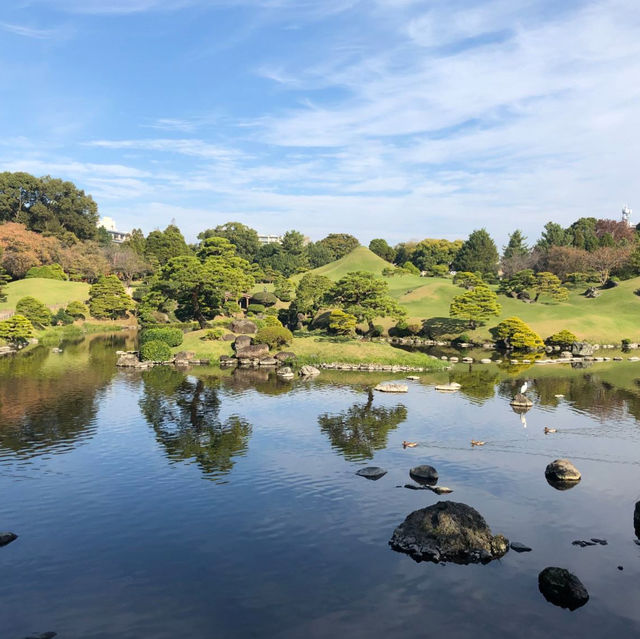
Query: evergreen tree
[516, 247]
[34, 310]
[108, 298]
[164, 245]
[478, 255]
[553, 235]
[382, 249]
[243, 237]
[475, 305]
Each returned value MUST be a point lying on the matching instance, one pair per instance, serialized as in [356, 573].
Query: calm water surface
[204, 504]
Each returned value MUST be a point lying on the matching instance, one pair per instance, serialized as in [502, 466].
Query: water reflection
[362, 429]
[184, 413]
[47, 400]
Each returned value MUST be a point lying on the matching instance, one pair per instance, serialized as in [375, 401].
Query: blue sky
[383, 118]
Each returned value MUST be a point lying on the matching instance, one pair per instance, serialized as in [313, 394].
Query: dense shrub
[61, 318]
[170, 336]
[34, 310]
[17, 330]
[155, 351]
[562, 338]
[263, 297]
[48, 272]
[342, 323]
[271, 320]
[438, 270]
[77, 310]
[224, 322]
[377, 331]
[255, 308]
[274, 336]
[231, 308]
[283, 289]
[411, 268]
[108, 298]
[213, 334]
[515, 334]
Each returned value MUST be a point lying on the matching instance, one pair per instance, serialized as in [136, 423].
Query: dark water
[166, 504]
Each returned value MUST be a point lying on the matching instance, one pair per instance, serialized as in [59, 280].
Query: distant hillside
[609, 318]
[50, 292]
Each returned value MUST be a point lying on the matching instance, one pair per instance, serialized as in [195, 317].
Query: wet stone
[372, 472]
[518, 547]
[424, 474]
[562, 588]
[7, 538]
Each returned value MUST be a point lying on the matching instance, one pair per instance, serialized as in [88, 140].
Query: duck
[548, 430]
[475, 442]
[409, 444]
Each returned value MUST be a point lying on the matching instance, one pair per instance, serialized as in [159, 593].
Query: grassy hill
[612, 316]
[50, 292]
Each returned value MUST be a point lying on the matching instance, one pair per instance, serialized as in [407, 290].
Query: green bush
[225, 322]
[256, 308]
[263, 297]
[34, 310]
[155, 351]
[213, 334]
[61, 318]
[342, 323]
[514, 333]
[77, 310]
[17, 330]
[170, 336]
[411, 268]
[562, 338]
[231, 308]
[48, 272]
[274, 336]
[108, 298]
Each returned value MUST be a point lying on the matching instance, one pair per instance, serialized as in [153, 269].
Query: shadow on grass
[436, 327]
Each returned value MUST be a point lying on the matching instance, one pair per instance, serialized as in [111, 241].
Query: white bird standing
[523, 388]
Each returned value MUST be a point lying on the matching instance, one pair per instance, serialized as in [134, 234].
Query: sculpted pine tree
[549, 284]
[17, 330]
[475, 306]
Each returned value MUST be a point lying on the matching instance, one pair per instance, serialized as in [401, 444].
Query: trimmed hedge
[155, 351]
[48, 272]
[170, 336]
[273, 336]
[263, 297]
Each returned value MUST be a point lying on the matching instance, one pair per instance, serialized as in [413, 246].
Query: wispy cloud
[31, 32]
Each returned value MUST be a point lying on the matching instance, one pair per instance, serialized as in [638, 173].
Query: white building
[270, 239]
[109, 225]
[626, 214]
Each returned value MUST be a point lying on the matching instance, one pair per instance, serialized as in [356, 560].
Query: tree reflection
[362, 429]
[476, 383]
[185, 415]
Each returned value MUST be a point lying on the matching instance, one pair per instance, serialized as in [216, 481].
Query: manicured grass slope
[49, 292]
[611, 317]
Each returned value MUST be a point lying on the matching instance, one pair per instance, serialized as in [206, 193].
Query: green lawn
[609, 318]
[49, 292]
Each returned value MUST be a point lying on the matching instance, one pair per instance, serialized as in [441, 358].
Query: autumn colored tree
[607, 258]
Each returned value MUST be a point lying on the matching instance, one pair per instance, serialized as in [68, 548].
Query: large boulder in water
[448, 531]
[309, 371]
[521, 401]
[255, 351]
[562, 474]
[562, 588]
[582, 349]
[372, 472]
[424, 474]
[244, 326]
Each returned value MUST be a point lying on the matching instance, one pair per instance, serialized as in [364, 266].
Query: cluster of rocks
[7, 350]
[131, 359]
[372, 368]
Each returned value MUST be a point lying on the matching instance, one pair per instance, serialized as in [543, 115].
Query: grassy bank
[49, 292]
[316, 350]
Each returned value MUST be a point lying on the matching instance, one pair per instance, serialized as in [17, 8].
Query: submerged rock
[424, 474]
[561, 588]
[448, 531]
[448, 388]
[372, 472]
[392, 387]
[562, 470]
[285, 373]
[521, 401]
[7, 538]
[518, 547]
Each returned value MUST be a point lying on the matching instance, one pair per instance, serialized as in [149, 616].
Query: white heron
[523, 388]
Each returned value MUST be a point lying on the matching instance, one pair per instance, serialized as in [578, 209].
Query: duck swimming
[548, 430]
[475, 442]
[409, 444]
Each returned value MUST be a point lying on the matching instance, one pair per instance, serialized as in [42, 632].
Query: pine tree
[478, 255]
[516, 247]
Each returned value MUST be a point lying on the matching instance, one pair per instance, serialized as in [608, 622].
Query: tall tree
[311, 292]
[136, 242]
[366, 296]
[478, 254]
[164, 245]
[429, 254]
[382, 249]
[516, 246]
[319, 254]
[608, 258]
[243, 237]
[553, 235]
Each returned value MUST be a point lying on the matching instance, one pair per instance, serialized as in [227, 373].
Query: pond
[225, 504]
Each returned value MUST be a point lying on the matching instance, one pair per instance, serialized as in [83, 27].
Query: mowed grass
[49, 292]
[609, 318]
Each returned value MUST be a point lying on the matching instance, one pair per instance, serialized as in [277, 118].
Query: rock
[226, 361]
[565, 355]
[56, 350]
[285, 373]
[636, 519]
[284, 356]
[309, 371]
[562, 470]
[485, 360]
[455, 360]
[392, 387]
[7, 538]
[268, 361]
[592, 292]
[185, 355]
[43, 635]
[424, 474]
[448, 531]
[448, 388]
[582, 349]
[228, 337]
[243, 326]
[518, 547]
[255, 351]
[522, 401]
[413, 378]
[128, 360]
[561, 588]
[372, 472]
[241, 342]
[440, 490]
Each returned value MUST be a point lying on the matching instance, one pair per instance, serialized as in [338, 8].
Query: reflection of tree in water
[362, 429]
[47, 401]
[263, 381]
[184, 413]
[477, 383]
